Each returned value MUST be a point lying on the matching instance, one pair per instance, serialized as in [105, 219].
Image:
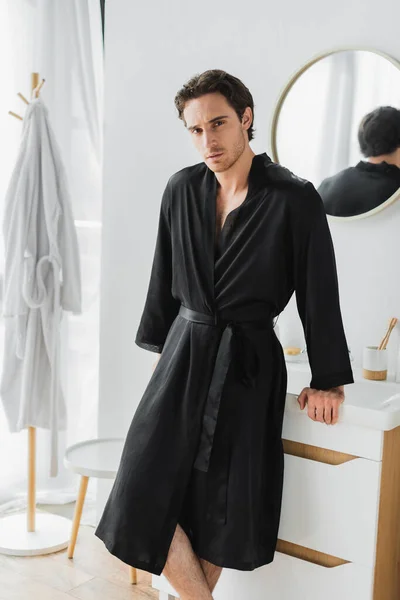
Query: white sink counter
[367, 403]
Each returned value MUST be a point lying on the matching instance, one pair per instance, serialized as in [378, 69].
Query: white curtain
[338, 115]
[62, 41]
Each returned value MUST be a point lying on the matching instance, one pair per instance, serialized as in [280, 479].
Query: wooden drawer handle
[309, 555]
[323, 455]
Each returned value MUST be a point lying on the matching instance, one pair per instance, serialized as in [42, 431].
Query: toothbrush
[385, 339]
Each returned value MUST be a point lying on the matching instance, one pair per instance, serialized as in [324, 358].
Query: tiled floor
[93, 573]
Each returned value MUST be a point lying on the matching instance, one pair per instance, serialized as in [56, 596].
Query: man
[359, 189]
[200, 480]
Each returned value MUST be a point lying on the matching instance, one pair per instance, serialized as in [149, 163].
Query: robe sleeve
[161, 307]
[71, 286]
[317, 293]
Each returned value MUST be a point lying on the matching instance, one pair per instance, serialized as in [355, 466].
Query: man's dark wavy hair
[215, 80]
[379, 131]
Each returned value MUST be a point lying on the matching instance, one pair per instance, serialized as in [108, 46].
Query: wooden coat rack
[43, 533]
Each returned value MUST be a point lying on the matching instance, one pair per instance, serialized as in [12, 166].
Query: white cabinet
[332, 508]
[288, 578]
[339, 534]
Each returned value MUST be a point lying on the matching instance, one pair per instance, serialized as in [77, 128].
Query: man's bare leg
[212, 573]
[183, 569]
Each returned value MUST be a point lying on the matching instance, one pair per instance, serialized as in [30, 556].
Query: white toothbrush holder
[375, 363]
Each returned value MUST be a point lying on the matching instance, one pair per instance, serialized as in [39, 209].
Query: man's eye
[194, 130]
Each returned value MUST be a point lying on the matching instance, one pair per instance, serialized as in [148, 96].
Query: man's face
[215, 129]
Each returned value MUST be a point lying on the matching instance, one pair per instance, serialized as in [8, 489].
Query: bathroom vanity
[339, 534]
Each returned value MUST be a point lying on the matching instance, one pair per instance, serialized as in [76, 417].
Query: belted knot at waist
[234, 346]
[255, 317]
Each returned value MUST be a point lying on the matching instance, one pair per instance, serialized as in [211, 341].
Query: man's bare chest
[224, 206]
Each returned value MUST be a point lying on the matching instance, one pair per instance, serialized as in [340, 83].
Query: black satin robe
[204, 448]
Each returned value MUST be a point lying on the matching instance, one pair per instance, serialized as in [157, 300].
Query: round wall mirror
[337, 124]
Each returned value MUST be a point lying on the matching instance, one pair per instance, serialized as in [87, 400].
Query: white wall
[151, 50]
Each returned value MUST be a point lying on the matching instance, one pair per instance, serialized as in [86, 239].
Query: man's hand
[323, 405]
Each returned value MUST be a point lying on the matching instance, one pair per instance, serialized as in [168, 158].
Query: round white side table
[92, 458]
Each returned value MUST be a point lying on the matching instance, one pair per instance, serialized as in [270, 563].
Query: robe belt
[234, 346]
[50, 336]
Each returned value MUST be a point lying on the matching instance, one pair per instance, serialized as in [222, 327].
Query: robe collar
[382, 167]
[256, 169]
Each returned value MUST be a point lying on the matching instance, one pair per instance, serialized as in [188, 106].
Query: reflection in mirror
[367, 185]
[338, 125]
